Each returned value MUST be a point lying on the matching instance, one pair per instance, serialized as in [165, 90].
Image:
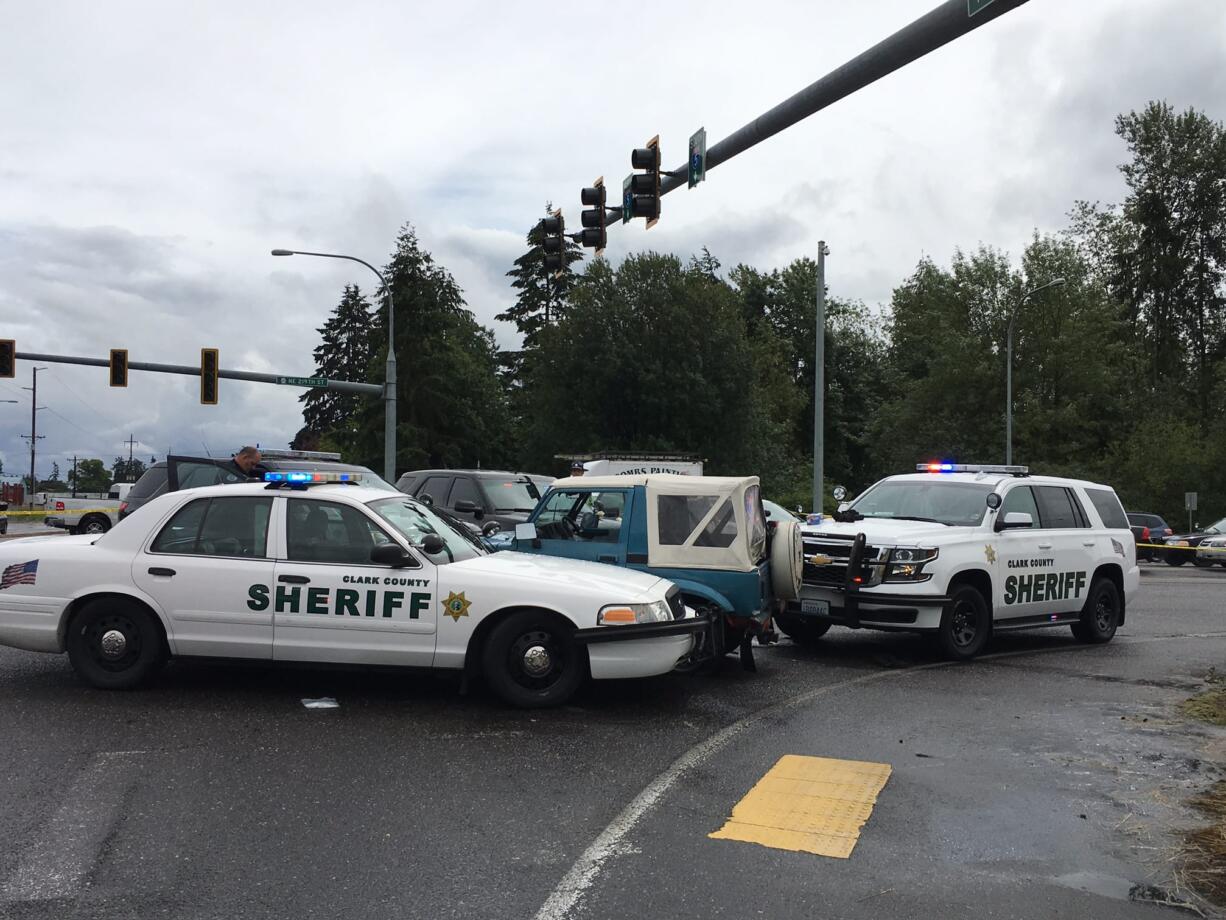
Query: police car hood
[883, 531]
[617, 584]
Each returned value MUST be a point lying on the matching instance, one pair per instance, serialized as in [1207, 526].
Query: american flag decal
[23, 573]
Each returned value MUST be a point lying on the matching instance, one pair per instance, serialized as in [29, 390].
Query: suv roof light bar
[971, 468]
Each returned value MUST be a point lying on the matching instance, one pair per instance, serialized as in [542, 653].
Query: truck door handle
[294, 579]
[1044, 546]
[159, 571]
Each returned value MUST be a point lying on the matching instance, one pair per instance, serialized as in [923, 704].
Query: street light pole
[389, 385]
[1058, 282]
[35, 437]
[819, 382]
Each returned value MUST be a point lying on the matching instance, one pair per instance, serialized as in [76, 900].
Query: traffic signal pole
[344, 386]
[949, 21]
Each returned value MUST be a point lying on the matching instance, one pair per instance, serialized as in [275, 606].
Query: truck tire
[801, 630]
[93, 523]
[1100, 617]
[966, 625]
[787, 560]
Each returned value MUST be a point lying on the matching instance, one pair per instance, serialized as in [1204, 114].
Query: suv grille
[838, 549]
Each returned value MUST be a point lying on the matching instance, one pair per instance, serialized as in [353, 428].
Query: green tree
[123, 470]
[344, 353]
[54, 483]
[90, 476]
[452, 409]
[540, 299]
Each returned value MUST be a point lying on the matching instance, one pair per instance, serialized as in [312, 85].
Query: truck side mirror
[525, 532]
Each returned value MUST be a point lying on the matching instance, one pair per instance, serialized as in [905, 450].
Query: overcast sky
[152, 153]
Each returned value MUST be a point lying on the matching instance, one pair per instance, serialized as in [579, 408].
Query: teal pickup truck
[706, 534]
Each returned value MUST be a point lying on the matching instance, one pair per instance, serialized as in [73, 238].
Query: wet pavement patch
[808, 804]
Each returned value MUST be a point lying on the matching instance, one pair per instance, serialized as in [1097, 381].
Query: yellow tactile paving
[809, 805]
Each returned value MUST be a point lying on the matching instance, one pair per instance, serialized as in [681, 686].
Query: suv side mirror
[392, 554]
[1015, 520]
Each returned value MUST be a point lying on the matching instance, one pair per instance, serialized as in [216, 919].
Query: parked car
[1183, 545]
[176, 473]
[775, 513]
[4, 518]
[706, 534]
[1212, 549]
[495, 500]
[1147, 528]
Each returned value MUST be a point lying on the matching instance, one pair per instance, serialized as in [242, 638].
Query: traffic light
[8, 358]
[644, 197]
[119, 367]
[594, 220]
[208, 376]
[554, 243]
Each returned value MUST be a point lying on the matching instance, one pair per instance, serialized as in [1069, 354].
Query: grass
[1204, 849]
[1209, 706]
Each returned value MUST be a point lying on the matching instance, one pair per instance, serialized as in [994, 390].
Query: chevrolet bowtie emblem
[819, 560]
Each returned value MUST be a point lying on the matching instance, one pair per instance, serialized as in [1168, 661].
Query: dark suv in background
[1147, 528]
[175, 473]
[493, 500]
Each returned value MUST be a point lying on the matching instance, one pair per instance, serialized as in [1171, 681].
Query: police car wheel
[966, 624]
[114, 644]
[1101, 615]
[800, 630]
[530, 661]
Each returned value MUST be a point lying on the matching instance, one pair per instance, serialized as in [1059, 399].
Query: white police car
[336, 572]
[965, 551]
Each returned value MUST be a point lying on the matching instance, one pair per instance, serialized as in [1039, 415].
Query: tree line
[1118, 376]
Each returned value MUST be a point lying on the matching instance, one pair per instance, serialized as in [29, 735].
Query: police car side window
[1107, 504]
[235, 527]
[321, 531]
[1021, 499]
[1057, 508]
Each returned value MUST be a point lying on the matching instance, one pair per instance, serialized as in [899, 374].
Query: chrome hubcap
[114, 643]
[537, 661]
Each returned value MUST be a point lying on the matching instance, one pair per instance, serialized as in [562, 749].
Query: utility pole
[74, 477]
[131, 442]
[819, 381]
[34, 436]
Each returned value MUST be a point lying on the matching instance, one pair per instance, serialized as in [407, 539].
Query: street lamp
[389, 386]
[1058, 282]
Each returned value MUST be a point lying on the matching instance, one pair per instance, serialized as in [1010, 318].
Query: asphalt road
[1039, 782]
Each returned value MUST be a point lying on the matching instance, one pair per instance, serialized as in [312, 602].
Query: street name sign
[303, 381]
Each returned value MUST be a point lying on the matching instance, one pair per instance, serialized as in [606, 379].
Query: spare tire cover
[787, 560]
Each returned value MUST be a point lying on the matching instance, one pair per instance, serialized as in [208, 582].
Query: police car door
[1022, 554]
[1067, 527]
[331, 603]
[202, 566]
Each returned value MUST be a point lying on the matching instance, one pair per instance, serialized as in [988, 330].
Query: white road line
[586, 870]
[55, 865]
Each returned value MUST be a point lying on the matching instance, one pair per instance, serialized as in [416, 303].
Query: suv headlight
[624, 614]
[906, 563]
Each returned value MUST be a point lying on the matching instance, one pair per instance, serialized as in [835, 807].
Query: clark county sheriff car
[964, 551]
[333, 572]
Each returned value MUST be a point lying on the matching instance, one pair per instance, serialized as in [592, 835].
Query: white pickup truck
[84, 515]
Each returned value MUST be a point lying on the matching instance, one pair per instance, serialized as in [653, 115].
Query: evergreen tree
[541, 299]
[344, 353]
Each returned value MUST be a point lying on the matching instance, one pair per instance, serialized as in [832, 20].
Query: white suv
[964, 551]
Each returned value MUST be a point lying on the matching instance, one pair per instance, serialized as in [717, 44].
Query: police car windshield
[955, 504]
[415, 520]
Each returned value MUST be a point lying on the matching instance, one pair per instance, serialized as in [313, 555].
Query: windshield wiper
[907, 517]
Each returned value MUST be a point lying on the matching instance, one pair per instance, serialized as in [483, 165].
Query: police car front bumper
[641, 649]
[869, 608]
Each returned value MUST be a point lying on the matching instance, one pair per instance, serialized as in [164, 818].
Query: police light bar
[971, 468]
[311, 476]
[300, 455]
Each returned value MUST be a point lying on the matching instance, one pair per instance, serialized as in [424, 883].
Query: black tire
[1202, 563]
[115, 644]
[1100, 617]
[966, 625]
[801, 630]
[93, 523]
[1175, 557]
[560, 664]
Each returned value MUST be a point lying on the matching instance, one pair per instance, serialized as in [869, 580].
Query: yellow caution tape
[46, 513]
[1177, 547]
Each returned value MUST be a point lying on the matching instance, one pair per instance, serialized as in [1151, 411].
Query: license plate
[817, 608]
